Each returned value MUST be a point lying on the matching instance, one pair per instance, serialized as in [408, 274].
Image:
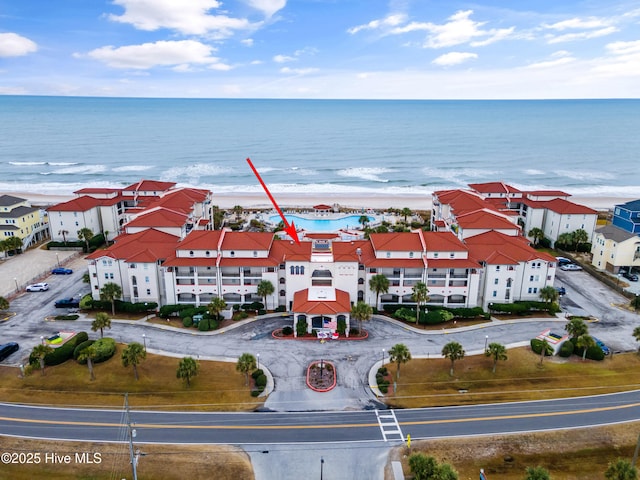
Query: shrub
[255, 393]
[595, 353]
[80, 347]
[301, 327]
[187, 322]
[288, 330]
[566, 349]
[203, 325]
[280, 308]
[406, 314]
[105, 348]
[434, 317]
[86, 302]
[536, 346]
[168, 310]
[256, 373]
[240, 315]
[383, 370]
[261, 380]
[383, 388]
[262, 312]
[67, 317]
[59, 355]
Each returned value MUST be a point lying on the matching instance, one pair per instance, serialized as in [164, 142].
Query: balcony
[231, 281]
[458, 283]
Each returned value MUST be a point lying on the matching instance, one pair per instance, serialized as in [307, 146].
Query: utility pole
[132, 433]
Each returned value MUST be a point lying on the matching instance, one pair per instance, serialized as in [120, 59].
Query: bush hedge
[261, 380]
[187, 322]
[80, 347]
[566, 349]
[256, 373]
[289, 330]
[252, 306]
[67, 317]
[536, 347]
[461, 312]
[105, 348]
[123, 307]
[62, 353]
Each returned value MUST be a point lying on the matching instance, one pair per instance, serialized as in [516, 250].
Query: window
[452, 255]
[146, 279]
[191, 253]
[388, 254]
[435, 254]
[255, 254]
[495, 293]
[207, 253]
[495, 282]
[292, 270]
[410, 254]
[282, 293]
[282, 280]
[232, 253]
[529, 290]
[531, 279]
[497, 268]
[106, 276]
[148, 291]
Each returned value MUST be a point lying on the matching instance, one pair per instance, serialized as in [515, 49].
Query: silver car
[38, 287]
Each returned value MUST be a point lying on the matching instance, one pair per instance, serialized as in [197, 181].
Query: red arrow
[290, 229]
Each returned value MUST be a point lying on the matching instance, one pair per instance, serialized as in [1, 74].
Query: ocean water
[60, 144]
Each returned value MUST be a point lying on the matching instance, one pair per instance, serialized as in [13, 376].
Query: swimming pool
[322, 224]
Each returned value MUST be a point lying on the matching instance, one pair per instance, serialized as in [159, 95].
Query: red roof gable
[149, 186]
[396, 242]
[565, 207]
[493, 187]
[443, 242]
[485, 219]
[499, 249]
[302, 304]
[247, 240]
[201, 240]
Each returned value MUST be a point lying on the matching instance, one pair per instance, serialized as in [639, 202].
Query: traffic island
[321, 376]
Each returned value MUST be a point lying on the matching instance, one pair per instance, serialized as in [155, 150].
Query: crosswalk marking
[389, 425]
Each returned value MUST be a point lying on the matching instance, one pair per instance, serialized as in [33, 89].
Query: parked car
[606, 350]
[570, 267]
[7, 349]
[68, 303]
[61, 271]
[561, 290]
[38, 287]
[563, 261]
[630, 276]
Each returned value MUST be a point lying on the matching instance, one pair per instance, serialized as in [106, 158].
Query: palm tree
[216, 305]
[549, 294]
[89, 354]
[86, 278]
[537, 473]
[106, 237]
[64, 234]
[420, 295]
[109, 293]
[399, 354]
[579, 237]
[585, 341]
[238, 211]
[498, 352]
[13, 244]
[85, 234]
[363, 220]
[406, 212]
[39, 352]
[4, 303]
[537, 234]
[379, 284]
[621, 470]
[246, 363]
[187, 369]
[545, 349]
[132, 355]
[576, 327]
[361, 311]
[265, 288]
[565, 239]
[453, 351]
[636, 335]
[101, 322]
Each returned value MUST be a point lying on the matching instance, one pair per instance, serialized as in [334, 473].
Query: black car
[68, 303]
[7, 349]
[630, 276]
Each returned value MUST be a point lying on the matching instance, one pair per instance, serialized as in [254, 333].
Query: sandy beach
[351, 201]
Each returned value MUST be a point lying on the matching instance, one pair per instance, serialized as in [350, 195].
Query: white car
[570, 266]
[38, 287]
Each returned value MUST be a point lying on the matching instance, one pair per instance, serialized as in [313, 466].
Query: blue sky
[415, 49]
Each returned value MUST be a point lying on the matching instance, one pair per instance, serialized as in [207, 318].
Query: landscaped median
[321, 376]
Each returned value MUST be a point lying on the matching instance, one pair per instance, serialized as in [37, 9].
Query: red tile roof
[443, 242]
[485, 219]
[247, 240]
[248, 262]
[201, 240]
[147, 246]
[396, 242]
[160, 217]
[80, 204]
[302, 304]
[493, 187]
[149, 186]
[190, 262]
[565, 207]
[497, 248]
[285, 250]
[548, 193]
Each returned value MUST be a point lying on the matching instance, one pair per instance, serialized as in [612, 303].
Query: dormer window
[191, 253]
[207, 253]
[255, 254]
[410, 254]
[232, 253]
[388, 254]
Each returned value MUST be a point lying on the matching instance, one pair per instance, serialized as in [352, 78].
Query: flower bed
[321, 376]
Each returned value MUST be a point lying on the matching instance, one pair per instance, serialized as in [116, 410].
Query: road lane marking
[317, 427]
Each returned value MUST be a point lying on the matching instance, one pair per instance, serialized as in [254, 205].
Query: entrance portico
[321, 308]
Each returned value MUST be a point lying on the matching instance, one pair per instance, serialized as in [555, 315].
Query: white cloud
[14, 45]
[570, 37]
[624, 62]
[190, 17]
[248, 42]
[298, 71]
[591, 22]
[624, 48]
[454, 58]
[283, 59]
[179, 54]
[388, 21]
[552, 63]
[268, 7]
